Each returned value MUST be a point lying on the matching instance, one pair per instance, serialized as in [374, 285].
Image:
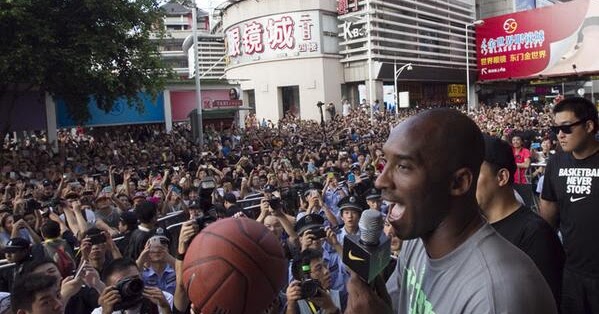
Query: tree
[77, 49]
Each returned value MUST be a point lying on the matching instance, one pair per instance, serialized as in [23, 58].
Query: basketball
[234, 265]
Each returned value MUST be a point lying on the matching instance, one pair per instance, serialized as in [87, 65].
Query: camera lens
[133, 288]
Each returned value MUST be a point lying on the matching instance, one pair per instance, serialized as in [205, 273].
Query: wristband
[180, 256]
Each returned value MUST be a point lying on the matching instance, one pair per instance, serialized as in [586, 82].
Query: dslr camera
[131, 291]
[275, 203]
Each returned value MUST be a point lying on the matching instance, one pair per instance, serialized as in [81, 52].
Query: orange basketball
[234, 265]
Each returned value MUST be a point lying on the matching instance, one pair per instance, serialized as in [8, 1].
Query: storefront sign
[541, 42]
[346, 6]
[456, 90]
[352, 30]
[274, 37]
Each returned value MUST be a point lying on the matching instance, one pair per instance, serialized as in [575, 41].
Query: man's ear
[461, 182]
[589, 126]
[503, 177]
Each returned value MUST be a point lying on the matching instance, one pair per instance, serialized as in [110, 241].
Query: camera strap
[312, 307]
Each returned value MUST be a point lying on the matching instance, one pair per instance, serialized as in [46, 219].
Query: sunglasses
[566, 128]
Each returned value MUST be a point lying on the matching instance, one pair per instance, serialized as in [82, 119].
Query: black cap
[310, 221]
[499, 153]
[373, 194]
[269, 188]
[16, 244]
[352, 202]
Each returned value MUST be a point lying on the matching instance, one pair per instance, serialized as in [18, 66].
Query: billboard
[294, 34]
[183, 101]
[557, 40]
[121, 113]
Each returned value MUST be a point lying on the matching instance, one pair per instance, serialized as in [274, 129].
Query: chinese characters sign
[530, 43]
[273, 37]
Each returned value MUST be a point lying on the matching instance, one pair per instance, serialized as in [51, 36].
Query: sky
[208, 5]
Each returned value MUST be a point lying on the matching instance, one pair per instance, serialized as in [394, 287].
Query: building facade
[178, 52]
[284, 55]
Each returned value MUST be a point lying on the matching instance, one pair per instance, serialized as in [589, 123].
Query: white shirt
[168, 296]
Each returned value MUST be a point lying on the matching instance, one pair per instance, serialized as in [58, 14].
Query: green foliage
[74, 49]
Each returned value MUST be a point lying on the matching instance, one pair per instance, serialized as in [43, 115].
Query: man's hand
[108, 298]
[70, 286]
[20, 224]
[294, 292]
[156, 296]
[188, 230]
[85, 248]
[325, 302]
[307, 240]
[363, 299]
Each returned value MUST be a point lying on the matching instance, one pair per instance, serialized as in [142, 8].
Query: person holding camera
[95, 247]
[312, 234]
[126, 292]
[157, 264]
[310, 291]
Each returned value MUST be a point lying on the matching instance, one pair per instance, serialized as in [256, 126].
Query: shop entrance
[290, 100]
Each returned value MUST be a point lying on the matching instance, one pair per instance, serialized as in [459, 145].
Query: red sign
[183, 102]
[540, 42]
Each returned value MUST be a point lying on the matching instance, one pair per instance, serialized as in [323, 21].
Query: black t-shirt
[137, 242]
[574, 185]
[83, 302]
[535, 237]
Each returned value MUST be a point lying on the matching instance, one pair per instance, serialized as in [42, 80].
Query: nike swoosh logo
[573, 200]
[354, 258]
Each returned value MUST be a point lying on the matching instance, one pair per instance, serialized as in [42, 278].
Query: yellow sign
[456, 90]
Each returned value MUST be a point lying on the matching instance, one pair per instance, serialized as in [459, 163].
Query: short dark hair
[35, 263]
[91, 232]
[50, 230]
[146, 211]
[304, 258]
[26, 288]
[582, 108]
[117, 265]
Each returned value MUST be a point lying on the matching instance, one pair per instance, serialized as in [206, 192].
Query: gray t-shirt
[485, 274]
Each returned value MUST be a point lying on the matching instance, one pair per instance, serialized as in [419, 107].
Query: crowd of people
[98, 220]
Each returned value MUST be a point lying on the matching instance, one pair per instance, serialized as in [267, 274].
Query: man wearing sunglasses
[570, 201]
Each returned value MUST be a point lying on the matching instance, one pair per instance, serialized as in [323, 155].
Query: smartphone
[351, 178]
[176, 189]
[80, 269]
[97, 238]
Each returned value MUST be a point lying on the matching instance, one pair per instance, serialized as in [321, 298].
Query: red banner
[550, 41]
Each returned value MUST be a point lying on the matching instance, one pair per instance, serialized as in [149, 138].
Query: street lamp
[396, 73]
[194, 25]
[370, 82]
[466, 30]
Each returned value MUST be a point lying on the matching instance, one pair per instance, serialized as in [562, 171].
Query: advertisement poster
[558, 40]
[121, 113]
